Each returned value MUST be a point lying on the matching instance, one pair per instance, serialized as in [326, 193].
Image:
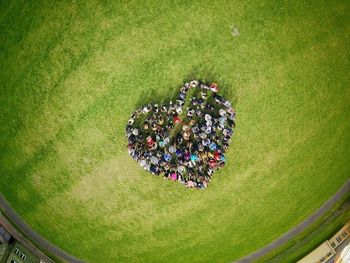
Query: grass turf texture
[71, 74]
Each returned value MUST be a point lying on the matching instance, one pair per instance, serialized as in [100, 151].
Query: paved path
[30, 233]
[43, 243]
[24, 241]
[344, 190]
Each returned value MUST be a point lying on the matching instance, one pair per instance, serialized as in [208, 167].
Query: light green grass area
[72, 73]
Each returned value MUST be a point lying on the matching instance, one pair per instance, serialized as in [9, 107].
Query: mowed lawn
[72, 73]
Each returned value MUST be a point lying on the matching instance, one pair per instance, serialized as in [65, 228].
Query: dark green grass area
[72, 73]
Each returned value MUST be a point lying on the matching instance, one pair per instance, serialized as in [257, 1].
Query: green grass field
[72, 73]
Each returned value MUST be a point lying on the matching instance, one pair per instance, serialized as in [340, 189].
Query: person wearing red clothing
[214, 87]
[177, 120]
[212, 163]
[217, 155]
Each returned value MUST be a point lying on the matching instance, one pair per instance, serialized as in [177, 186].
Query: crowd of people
[183, 145]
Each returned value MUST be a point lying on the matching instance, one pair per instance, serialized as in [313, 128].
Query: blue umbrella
[212, 146]
[167, 157]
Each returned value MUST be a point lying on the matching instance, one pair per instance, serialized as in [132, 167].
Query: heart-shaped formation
[184, 146]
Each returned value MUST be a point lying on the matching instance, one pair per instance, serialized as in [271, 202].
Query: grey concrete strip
[21, 239]
[32, 235]
[342, 192]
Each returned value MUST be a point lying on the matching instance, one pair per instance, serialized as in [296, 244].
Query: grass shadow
[207, 75]
[153, 97]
